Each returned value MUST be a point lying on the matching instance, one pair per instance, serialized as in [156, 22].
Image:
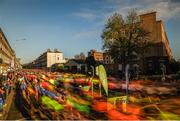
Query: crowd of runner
[47, 95]
[44, 92]
[7, 83]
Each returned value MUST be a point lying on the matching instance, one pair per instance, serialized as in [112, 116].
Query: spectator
[1, 98]
[7, 87]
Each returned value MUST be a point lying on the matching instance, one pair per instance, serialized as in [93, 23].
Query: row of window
[4, 44]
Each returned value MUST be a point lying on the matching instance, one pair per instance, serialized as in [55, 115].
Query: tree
[80, 56]
[123, 38]
[90, 61]
[143, 46]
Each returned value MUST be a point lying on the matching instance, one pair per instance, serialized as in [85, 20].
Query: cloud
[86, 34]
[89, 15]
[166, 9]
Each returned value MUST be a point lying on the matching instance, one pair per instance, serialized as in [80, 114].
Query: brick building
[98, 56]
[160, 53]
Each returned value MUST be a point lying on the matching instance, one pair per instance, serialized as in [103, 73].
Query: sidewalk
[14, 112]
[8, 103]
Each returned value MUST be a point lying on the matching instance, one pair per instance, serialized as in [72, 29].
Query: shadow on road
[18, 110]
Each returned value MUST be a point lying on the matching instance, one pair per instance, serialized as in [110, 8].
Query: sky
[74, 26]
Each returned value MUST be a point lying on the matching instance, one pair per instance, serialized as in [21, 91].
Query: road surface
[16, 111]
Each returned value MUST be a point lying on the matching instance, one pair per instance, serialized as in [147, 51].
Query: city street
[89, 60]
[64, 96]
[15, 113]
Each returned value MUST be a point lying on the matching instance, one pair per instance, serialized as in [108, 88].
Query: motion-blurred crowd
[7, 82]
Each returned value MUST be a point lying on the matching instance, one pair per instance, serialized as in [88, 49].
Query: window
[150, 65]
[120, 67]
[107, 57]
[107, 62]
[57, 58]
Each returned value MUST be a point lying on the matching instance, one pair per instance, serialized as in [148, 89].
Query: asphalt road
[17, 111]
[14, 113]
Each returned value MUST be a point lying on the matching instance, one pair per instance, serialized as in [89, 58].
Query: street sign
[103, 78]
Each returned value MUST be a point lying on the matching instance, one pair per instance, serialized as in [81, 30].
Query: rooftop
[147, 13]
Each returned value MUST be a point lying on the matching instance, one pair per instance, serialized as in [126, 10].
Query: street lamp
[21, 39]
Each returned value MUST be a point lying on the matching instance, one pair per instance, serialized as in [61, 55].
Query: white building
[7, 54]
[49, 58]
[54, 57]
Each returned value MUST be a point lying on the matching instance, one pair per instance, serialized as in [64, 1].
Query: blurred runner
[23, 87]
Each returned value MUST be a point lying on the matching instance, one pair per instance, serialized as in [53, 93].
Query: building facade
[8, 60]
[98, 56]
[48, 58]
[157, 35]
[17, 64]
[76, 65]
[108, 62]
[103, 58]
[160, 53]
[157, 56]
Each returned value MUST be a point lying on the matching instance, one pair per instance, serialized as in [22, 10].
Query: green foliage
[60, 66]
[80, 56]
[124, 39]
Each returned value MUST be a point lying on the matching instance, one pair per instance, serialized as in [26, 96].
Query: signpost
[124, 105]
[101, 72]
[127, 80]
[163, 72]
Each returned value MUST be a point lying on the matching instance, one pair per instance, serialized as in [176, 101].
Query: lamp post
[20, 39]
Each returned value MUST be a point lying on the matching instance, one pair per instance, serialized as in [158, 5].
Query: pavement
[13, 109]
[14, 113]
[7, 106]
